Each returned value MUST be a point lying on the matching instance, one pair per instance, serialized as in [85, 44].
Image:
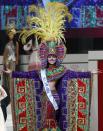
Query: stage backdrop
[86, 13]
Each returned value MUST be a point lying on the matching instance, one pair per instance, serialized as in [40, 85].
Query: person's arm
[3, 93]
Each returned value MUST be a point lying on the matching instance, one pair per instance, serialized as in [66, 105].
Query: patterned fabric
[78, 102]
[22, 96]
[73, 99]
[66, 122]
[61, 52]
[86, 13]
[49, 120]
[54, 73]
[43, 51]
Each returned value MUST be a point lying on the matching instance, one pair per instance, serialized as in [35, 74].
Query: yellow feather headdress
[49, 21]
[10, 29]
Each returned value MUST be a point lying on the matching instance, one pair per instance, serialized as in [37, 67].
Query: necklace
[55, 72]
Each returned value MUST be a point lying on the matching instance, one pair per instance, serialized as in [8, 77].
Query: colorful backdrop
[86, 13]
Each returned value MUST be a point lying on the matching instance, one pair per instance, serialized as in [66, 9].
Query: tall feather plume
[50, 21]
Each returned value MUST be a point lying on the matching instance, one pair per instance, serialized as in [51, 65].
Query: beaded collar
[54, 72]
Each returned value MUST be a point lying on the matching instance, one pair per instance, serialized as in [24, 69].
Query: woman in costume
[53, 102]
[49, 27]
[52, 71]
[2, 122]
[11, 51]
[49, 22]
[10, 60]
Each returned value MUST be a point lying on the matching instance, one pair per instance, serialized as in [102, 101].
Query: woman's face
[52, 59]
[11, 36]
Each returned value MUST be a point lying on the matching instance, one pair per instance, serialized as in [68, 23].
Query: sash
[47, 89]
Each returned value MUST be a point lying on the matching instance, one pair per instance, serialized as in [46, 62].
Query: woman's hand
[8, 71]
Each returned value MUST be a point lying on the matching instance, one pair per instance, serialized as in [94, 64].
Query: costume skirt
[49, 115]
